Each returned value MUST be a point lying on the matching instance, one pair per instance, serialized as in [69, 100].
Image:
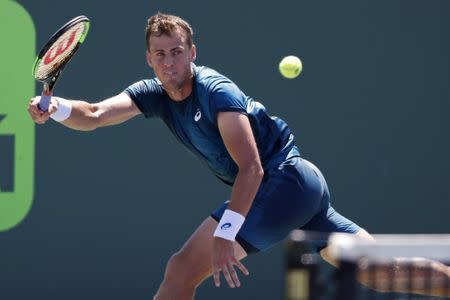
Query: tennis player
[274, 189]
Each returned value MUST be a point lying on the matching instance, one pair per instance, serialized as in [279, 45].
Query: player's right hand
[224, 261]
[39, 116]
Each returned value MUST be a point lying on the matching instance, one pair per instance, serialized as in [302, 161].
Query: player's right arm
[89, 116]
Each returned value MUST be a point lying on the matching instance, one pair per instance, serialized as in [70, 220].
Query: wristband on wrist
[229, 225]
[63, 111]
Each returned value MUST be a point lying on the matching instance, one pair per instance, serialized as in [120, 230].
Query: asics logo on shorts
[198, 115]
[225, 226]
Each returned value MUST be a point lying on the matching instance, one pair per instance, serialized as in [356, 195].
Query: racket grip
[45, 102]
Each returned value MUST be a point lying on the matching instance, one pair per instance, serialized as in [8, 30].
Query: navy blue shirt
[194, 120]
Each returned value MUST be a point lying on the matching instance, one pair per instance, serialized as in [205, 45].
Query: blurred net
[391, 267]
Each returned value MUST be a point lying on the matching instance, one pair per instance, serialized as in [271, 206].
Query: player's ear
[193, 52]
[149, 59]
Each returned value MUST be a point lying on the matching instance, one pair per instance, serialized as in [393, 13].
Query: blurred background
[99, 213]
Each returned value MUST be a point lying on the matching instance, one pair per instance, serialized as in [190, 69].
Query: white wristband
[229, 225]
[64, 110]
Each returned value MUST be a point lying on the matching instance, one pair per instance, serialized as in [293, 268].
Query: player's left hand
[224, 260]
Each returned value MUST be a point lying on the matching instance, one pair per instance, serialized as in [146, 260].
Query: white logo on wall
[198, 115]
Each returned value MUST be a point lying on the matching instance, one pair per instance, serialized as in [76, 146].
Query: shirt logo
[198, 115]
[225, 226]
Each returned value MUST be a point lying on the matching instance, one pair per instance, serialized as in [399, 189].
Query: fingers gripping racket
[54, 56]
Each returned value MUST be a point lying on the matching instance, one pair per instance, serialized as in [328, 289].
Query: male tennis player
[274, 190]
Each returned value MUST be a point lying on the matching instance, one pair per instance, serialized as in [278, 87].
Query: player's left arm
[238, 138]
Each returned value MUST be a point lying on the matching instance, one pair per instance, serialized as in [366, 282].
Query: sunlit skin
[170, 57]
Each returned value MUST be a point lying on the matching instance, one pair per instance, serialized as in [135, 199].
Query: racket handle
[45, 102]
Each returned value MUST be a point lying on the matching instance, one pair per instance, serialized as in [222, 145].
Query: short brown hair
[160, 24]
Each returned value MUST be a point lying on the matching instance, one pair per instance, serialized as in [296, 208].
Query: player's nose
[168, 61]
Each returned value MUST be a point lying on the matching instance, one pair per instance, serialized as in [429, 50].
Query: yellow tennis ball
[290, 66]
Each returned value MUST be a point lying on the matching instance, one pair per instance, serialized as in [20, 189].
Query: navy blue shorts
[293, 195]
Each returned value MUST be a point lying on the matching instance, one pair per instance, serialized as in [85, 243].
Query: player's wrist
[229, 225]
[64, 110]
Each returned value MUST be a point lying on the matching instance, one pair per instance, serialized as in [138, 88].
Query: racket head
[59, 50]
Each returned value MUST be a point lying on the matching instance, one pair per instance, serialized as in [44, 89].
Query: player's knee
[174, 268]
[177, 269]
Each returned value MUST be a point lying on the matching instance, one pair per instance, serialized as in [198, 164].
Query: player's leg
[327, 219]
[188, 267]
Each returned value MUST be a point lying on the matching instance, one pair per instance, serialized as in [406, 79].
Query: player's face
[171, 58]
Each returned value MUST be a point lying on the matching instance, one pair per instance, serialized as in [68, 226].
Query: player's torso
[191, 122]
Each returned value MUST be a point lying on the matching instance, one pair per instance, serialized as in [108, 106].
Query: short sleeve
[147, 95]
[226, 96]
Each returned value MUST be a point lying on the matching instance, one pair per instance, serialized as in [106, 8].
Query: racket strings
[60, 51]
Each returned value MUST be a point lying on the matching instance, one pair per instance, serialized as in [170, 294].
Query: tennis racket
[56, 53]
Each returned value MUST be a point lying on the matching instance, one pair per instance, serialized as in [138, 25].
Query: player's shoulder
[209, 80]
[208, 77]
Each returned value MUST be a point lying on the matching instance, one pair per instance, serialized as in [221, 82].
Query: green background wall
[110, 206]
